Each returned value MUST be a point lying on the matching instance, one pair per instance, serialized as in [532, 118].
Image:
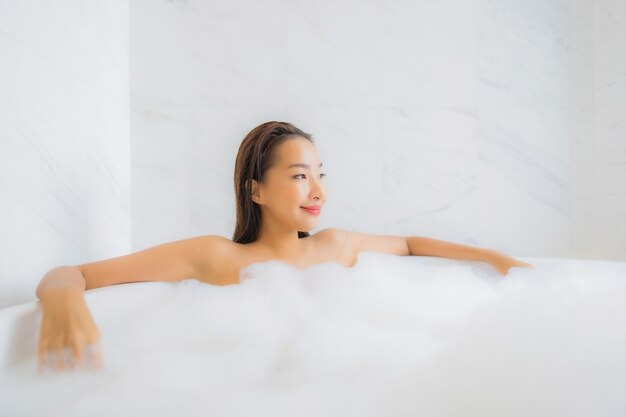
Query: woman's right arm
[68, 328]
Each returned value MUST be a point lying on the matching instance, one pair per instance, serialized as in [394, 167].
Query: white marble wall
[64, 138]
[598, 129]
[493, 123]
[468, 120]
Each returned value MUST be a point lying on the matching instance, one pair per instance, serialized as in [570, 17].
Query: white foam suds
[393, 336]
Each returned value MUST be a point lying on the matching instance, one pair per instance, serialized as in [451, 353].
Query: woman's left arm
[417, 245]
[432, 247]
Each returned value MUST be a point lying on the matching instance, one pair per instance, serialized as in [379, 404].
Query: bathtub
[392, 336]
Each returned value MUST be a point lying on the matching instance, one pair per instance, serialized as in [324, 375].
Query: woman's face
[293, 182]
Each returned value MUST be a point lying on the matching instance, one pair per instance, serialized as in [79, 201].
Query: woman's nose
[317, 189]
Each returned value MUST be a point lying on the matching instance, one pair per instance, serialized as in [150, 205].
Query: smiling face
[293, 182]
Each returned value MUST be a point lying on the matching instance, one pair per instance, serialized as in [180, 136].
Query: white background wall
[492, 123]
[64, 138]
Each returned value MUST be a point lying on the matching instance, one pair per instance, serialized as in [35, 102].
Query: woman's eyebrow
[301, 165]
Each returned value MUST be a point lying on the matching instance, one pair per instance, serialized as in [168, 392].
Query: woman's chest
[240, 257]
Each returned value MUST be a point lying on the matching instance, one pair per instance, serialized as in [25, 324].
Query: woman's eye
[321, 175]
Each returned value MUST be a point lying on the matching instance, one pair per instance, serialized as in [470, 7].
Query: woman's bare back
[322, 247]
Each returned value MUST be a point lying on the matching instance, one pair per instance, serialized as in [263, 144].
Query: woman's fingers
[503, 263]
[46, 360]
[79, 355]
[42, 357]
[93, 356]
[524, 264]
[77, 350]
[68, 357]
[67, 331]
[59, 356]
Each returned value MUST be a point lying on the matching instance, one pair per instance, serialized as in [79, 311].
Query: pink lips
[313, 211]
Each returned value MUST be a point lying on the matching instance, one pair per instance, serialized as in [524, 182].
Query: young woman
[280, 194]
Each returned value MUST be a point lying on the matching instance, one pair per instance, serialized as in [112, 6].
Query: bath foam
[392, 336]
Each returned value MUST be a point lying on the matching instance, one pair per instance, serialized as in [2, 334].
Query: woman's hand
[502, 263]
[69, 338]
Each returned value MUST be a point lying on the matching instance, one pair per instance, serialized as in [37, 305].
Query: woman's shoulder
[332, 233]
[205, 245]
[336, 237]
[338, 242]
[215, 242]
[214, 249]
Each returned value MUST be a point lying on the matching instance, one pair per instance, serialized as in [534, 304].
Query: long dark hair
[257, 154]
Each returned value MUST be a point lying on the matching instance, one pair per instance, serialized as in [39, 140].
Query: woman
[280, 193]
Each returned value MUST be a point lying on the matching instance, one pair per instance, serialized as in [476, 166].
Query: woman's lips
[313, 212]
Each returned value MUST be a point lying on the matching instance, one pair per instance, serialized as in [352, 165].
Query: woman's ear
[253, 189]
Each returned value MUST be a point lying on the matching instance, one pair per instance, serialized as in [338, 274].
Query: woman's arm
[67, 324]
[416, 245]
[432, 247]
[195, 257]
[61, 277]
[426, 246]
[172, 261]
